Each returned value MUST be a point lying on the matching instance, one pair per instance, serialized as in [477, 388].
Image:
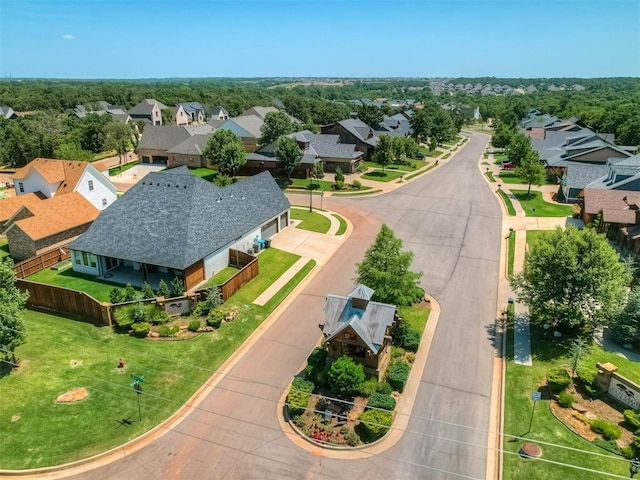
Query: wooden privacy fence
[239, 259]
[248, 265]
[64, 300]
[42, 261]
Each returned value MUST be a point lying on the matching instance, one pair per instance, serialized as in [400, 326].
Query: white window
[90, 185]
[104, 202]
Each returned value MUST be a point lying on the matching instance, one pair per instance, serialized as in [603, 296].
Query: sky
[319, 38]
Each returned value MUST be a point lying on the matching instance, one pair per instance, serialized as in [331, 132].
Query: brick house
[354, 131]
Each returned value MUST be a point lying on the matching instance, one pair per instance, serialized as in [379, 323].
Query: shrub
[368, 387]
[215, 318]
[361, 168]
[116, 295]
[345, 376]
[379, 400]
[141, 329]
[317, 374]
[194, 325]
[129, 293]
[404, 336]
[147, 291]
[558, 379]
[397, 376]
[177, 286]
[159, 316]
[356, 184]
[632, 419]
[338, 185]
[318, 357]
[163, 289]
[384, 388]
[299, 395]
[565, 399]
[376, 423]
[126, 316]
[222, 180]
[610, 431]
[168, 331]
[339, 176]
[351, 438]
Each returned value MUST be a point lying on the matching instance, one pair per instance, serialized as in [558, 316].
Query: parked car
[507, 166]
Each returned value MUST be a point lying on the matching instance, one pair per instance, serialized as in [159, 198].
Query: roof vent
[158, 184]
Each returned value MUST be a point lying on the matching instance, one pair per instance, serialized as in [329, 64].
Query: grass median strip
[507, 202]
[512, 252]
[490, 177]
[382, 176]
[535, 206]
[311, 221]
[343, 224]
[356, 194]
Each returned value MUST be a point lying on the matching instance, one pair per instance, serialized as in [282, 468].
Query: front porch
[126, 274]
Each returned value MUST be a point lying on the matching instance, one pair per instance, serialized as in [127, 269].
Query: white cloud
[68, 37]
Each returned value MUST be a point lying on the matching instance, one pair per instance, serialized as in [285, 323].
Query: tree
[384, 152]
[217, 140]
[118, 137]
[232, 158]
[116, 295]
[502, 136]
[289, 155]
[12, 307]
[531, 170]
[275, 125]
[385, 268]
[129, 293]
[572, 279]
[147, 291]
[443, 127]
[518, 148]
[345, 376]
[72, 151]
[167, 116]
[577, 349]
[177, 286]
[421, 124]
[370, 114]
[625, 326]
[163, 289]
[317, 172]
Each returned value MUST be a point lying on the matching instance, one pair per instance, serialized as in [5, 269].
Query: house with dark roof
[174, 145]
[175, 223]
[148, 111]
[397, 125]
[50, 177]
[194, 112]
[247, 127]
[360, 328]
[116, 112]
[7, 112]
[218, 113]
[315, 148]
[354, 131]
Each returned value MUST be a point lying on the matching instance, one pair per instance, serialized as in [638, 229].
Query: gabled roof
[56, 214]
[193, 145]
[321, 145]
[260, 112]
[360, 130]
[6, 111]
[245, 126]
[68, 172]
[217, 110]
[192, 107]
[166, 137]
[10, 206]
[173, 218]
[369, 323]
[596, 200]
[145, 107]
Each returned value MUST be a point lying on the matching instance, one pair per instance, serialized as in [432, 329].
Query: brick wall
[22, 246]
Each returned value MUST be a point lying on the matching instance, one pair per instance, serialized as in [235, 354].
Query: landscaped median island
[347, 393]
[312, 221]
[60, 354]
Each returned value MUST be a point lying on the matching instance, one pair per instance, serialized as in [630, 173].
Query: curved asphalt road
[452, 222]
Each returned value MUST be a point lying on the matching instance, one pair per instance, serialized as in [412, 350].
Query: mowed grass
[343, 224]
[4, 249]
[534, 205]
[221, 277]
[521, 381]
[311, 221]
[98, 289]
[122, 168]
[306, 182]
[511, 178]
[205, 173]
[416, 316]
[490, 177]
[380, 176]
[507, 201]
[512, 252]
[47, 433]
[413, 165]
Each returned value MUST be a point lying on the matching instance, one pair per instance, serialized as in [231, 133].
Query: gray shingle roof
[320, 144]
[173, 218]
[145, 107]
[580, 175]
[370, 324]
[167, 137]
[191, 146]
[360, 130]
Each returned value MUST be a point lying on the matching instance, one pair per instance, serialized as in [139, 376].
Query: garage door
[269, 229]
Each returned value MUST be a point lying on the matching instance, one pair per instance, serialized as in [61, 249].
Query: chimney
[359, 303]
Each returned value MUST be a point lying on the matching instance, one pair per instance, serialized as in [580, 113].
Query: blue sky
[333, 38]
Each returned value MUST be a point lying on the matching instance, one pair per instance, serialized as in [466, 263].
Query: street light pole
[310, 200]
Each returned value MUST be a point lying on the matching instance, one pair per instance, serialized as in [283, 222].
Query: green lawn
[101, 155]
[48, 434]
[500, 157]
[520, 382]
[305, 182]
[204, 173]
[490, 177]
[122, 168]
[343, 224]
[355, 194]
[431, 153]
[413, 166]
[512, 252]
[312, 221]
[221, 277]
[98, 289]
[380, 176]
[444, 157]
[4, 249]
[535, 206]
[416, 316]
[510, 178]
[533, 235]
[507, 201]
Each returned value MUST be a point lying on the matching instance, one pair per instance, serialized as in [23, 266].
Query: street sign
[535, 396]
[137, 380]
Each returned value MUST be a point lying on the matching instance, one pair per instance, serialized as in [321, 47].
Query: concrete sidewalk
[276, 286]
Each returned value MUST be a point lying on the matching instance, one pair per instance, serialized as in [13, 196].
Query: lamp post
[310, 200]
[634, 467]
[499, 186]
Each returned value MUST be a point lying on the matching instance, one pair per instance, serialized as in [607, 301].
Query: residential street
[452, 221]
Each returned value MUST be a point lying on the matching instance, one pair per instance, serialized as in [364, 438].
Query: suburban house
[45, 224]
[51, 177]
[356, 132]
[616, 174]
[174, 145]
[315, 147]
[149, 111]
[116, 112]
[261, 112]
[173, 223]
[218, 113]
[360, 328]
[397, 125]
[194, 111]
[7, 112]
[247, 127]
[179, 115]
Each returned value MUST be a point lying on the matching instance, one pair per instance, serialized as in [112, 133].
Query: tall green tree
[72, 151]
[625, 326]
[443, 128]
[421, 124]
[531, 170]
[118, 137]
[345, 376]
[275, 125]
[384, 152]
[572, 279]
[232, 159]
[215, 143]
[502, 136]
[12, 307]
[317, 172]
[289, 155]
[518, 148]
[370, 114]
[385, 268]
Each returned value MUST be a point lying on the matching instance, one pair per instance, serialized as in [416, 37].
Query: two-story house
[148, 110]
